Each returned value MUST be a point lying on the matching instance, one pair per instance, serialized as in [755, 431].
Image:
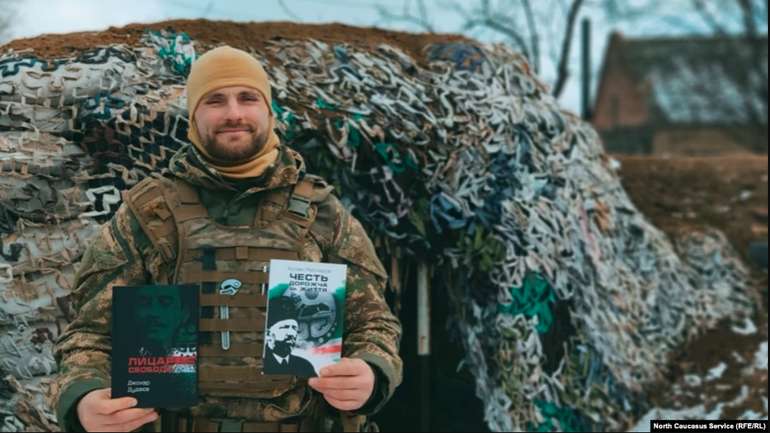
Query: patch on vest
[229, 287]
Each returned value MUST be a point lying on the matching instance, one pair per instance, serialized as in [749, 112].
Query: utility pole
[586, 78]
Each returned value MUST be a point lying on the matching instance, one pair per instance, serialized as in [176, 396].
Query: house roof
[698, 80]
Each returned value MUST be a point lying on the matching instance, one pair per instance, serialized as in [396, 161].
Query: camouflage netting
[568, 301]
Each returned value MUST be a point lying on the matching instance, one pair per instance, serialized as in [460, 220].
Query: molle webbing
[175, 220]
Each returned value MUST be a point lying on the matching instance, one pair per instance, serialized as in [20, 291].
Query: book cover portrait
[305, 311]
[154, 350]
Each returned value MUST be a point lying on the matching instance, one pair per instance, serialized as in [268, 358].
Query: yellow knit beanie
[223, 67]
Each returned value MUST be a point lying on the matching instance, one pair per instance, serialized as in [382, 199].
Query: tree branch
[749, 25]
[455, 6]
[755, 83]
[563, 69]
[489, 20]
[406, 16]
[492, 24]
[534, 35]
[424, 14]
[701, 8]
[288, 11]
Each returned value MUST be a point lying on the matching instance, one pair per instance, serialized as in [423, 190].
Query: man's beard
[230, 153]
[283, 348]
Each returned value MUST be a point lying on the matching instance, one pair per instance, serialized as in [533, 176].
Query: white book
[305, 317]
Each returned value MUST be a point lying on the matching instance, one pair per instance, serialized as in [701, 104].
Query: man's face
[233, 123]
[159, 314]
[282, 337]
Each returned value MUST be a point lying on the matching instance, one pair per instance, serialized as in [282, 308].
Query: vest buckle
[299, 206]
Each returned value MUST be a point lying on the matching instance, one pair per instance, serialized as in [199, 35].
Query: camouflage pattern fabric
[123, 255]
[565, 297]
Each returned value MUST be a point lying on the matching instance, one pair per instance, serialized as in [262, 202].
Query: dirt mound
[729, 193]
[681, 194]
[240, 35]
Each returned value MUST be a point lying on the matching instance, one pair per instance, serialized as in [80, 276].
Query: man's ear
[194, 124]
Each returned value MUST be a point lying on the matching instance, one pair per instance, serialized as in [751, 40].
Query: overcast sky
[34, 17]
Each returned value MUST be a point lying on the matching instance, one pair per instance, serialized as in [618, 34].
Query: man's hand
[346, 385]
[98, 412]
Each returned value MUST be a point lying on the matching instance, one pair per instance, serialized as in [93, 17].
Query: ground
[717, 370]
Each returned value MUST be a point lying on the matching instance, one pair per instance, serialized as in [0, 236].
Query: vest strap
[254, 324]
[189, 212]
[146, 201]
[254, 277]
[301, 199]
[254, 254]
[234, 373]
[187, 194]
[203, 424]
[237, 300]
[237, 350]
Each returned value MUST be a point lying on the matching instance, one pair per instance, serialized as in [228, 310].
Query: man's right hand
[98, 412]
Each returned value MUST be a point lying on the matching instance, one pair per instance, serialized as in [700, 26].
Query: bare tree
[754, 79]
[548, 26]
[516, 20]
[563, 71]
[743, 25]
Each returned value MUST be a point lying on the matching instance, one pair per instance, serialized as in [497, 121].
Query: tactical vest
[230, 265]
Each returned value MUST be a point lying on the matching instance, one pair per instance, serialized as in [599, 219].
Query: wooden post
[423, 343]
[587, 78]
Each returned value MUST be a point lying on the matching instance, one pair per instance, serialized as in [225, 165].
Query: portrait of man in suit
[164, 320]
[281, 339]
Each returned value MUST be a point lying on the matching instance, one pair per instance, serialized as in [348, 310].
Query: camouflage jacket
[122, 254]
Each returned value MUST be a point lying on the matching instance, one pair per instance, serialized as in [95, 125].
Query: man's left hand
[346, 385]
